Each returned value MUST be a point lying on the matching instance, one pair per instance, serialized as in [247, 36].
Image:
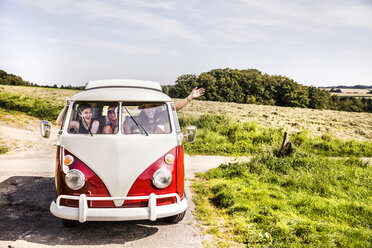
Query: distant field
[38, 92]
[353, 95]
[344, 125]
[352, 92]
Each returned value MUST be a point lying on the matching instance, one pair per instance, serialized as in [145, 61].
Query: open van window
[145, 117]
[94, 118]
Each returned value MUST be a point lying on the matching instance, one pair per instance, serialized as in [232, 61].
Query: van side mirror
[190, 134]
[46, 127]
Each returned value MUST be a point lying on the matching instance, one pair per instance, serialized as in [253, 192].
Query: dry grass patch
[343, 125]
[48, 94]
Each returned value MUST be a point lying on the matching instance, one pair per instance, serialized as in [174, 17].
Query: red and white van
[134, 173]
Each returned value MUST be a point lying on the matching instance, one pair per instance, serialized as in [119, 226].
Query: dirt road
[27, 188]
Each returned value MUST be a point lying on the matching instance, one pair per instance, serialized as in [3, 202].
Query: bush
[32, 106]
[3, 150]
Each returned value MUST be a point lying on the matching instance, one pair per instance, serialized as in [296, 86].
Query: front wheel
[175, 218]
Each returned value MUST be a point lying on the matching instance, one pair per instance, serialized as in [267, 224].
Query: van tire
[175, 218]
[69, 223]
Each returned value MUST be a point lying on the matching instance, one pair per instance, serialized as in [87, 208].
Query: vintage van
[120, 155]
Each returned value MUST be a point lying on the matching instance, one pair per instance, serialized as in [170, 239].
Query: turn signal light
[68, 160]
[169, 158]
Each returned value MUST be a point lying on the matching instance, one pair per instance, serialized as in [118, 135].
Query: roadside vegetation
[220, 135]
[3, 149]
[303, 200]
[37, 107]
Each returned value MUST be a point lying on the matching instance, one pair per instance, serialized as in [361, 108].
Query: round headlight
[75, 179]
[162, 178]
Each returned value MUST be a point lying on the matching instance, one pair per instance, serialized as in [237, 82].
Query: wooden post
[286, 148]
[285, 141]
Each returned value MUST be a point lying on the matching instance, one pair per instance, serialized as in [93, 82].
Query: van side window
[63, 120]
[94, 118]
[176, 122]
[144, 117]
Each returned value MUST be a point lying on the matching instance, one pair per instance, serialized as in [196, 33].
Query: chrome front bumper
[84, 213]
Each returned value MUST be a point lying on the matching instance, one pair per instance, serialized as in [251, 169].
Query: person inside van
[112, 121]
[152, 118]
[86, 124]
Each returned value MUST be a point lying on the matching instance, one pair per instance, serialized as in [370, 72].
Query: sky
[65, 42]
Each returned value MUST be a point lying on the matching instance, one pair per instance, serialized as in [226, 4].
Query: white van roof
[123, 83]
[122, 90]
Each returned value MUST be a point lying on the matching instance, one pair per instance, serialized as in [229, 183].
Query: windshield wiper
[135, 121]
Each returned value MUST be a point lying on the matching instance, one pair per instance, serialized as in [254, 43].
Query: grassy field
[297, 201]
[220, 135]
[340, 124]
[352, 92]
[48, 94]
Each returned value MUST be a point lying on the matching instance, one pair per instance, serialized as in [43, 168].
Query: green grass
[328, 145]
[36, 107]
[3, 150]
[299, 201]
[220, 135]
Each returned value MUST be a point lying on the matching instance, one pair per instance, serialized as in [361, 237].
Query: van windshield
[144, 117]
[94, 118]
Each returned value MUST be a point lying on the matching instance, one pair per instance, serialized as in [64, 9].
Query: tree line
[243, 86]
[254, 87]
[11, 79]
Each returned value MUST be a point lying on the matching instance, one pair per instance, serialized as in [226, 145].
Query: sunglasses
[111, 112]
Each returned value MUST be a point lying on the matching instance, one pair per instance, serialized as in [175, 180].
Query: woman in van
[151, 118]
[86, 124]
[112, 121]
